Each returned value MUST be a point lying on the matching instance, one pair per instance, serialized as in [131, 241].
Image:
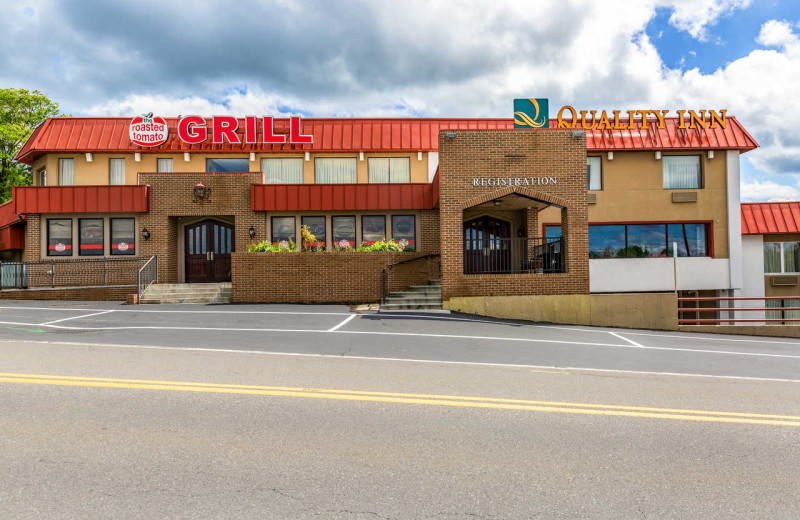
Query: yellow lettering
[643, 113]
[583, 120]
[565, 124]
[604, 121]
[631, 122]
[717, 118]
[660, 115]
[616, 121]
[681, 119]
[694, 119]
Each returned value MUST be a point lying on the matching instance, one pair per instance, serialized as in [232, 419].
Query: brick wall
[171, 197]
[116, 293]
[538, 153]
[330, 277]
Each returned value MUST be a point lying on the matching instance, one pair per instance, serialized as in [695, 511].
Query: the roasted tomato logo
[146, 130]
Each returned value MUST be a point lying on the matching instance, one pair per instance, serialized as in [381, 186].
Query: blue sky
[460, 58]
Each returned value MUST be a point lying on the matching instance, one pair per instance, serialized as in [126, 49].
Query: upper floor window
[595, 173]
[117, 171]
[164, 165]
[227, 165]
[782, 257]
[681, 172]
[42, 175]
[66, 172]
[335, 170]
[282, 171]
[389, 169]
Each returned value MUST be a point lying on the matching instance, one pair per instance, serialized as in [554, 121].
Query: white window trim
[783, 263]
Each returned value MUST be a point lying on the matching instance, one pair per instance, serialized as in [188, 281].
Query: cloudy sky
[464, 58]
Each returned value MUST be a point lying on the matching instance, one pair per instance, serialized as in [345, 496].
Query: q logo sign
[146, 130]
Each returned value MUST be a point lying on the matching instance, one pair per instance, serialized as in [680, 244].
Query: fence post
[383, 287]
[52, 273]
[105, 270]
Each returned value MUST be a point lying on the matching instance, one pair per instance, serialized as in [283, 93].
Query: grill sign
[146, 130]
[60, 248]
[123, 246]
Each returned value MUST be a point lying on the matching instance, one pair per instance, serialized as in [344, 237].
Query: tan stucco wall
[633, 191]
[97, 171]
[632, 310]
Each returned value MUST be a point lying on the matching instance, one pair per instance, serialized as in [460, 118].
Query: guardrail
[147, 275]
[81, 272]
[491, 255]
[769, 311]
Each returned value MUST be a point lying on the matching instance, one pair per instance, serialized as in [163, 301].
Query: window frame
[783, 259]
[272, 228]
[316, 245]
[412, 243]
[354, 159]
[102, 236]
[71, 236]
[302, 175]
[588, 181]
[700, 172]
[60, 173]
[172, 163]
[334, 242]
[110, 162]
[390, 181]
[115, 252]
[363, 242]
[41, 176]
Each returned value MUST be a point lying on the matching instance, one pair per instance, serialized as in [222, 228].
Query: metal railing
[147, 275]
[69, 273]
[513, 255]
[715, 310]
[385, 272]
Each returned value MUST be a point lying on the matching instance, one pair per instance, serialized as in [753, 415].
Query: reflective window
[404, 228]
[647, 241]
[344, 231]
[595, 173]
[316, 226]
[781, 257]
[691, 239]
[606, 241]
[227, 165]
[90, 237]
[552, 231]
[123, 236]
[283, 228]
[373, 229]
[59, 236]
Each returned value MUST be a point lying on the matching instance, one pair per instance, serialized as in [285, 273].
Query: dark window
[227, 165]
[344, 231]
[283, 228]
[59, 237]
[606, 241]
[373, 229]
[404, 228]
[90, 237]
[552, 231]
[123, 236]
[316, 226]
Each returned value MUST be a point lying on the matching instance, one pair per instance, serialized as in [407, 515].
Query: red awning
[335, 197]
[110, 135]
[760, 218]
[81, 199]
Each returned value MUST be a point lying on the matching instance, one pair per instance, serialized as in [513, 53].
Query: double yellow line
[404, 398]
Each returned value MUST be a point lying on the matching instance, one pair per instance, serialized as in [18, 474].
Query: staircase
[187, 293]
[416, 297]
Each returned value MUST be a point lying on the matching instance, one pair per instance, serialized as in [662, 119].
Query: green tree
[20, 112]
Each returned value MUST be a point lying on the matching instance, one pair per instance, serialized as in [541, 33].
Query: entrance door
[487, 244]
[207, 249]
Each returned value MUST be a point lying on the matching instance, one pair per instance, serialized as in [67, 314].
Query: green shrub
[266, 246]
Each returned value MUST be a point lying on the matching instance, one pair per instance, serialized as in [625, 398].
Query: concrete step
[416, 299]
[423, 292]
[437, 281]
[424, 288]
[410, 306]
[149, 301]
[188, 293]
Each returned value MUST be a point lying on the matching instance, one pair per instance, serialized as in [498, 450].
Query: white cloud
[776, 33]
[769, 191]
[694, 16]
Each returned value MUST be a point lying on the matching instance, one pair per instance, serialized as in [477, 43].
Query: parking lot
[331, 330]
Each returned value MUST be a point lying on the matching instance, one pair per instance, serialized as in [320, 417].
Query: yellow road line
[422, 399]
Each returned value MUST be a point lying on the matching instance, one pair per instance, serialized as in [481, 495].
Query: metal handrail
[385, 271]
[717, 310]
[151, 276]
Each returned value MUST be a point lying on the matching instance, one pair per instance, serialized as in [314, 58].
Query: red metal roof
[332, 197]
[81, 199]
[107, 134]
[760, 218]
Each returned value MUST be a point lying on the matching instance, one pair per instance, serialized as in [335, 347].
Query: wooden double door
[487, 243]
[207, 250]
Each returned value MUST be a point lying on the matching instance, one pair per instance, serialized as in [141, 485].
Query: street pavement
[308, 412]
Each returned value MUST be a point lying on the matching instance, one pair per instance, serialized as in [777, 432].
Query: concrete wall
[656, 274]
[753, 275]
[643, 311]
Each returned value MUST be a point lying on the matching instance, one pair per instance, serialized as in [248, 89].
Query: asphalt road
[331, 416]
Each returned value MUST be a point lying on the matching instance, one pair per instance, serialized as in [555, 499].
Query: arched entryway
[207, 249]
[486, 245]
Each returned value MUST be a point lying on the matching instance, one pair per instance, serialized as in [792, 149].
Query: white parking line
[626, 339]
[343, 322]
[73, 318]
[172, 311]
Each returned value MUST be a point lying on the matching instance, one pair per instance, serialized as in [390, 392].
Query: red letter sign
[192, 130]
[225, 126]
[294, 133]
[269, 133]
